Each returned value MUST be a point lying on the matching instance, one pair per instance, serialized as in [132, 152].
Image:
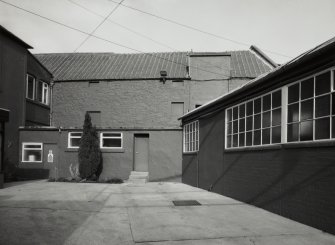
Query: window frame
[34, 87]
[69, 137]
[44, 97]
[111, 137]
[32, 143]
[187, 134]
[261, 128]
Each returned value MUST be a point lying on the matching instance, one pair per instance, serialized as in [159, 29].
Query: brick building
[271, 142]
[134, 100]
[24, 91]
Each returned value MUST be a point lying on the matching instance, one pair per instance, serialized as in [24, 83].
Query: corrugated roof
[308, 55]
[104, 66]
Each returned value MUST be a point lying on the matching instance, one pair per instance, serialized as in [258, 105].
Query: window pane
[276, 99]
[306, 130]
[250, 108]
[293, 93]
[293, 132]
[235, 126]
[229, 141]
[306, 110]
[229, 129]
[32, 146]
[257, 121]
[333, 103]
[266, 136]
[235, 140]
[276, 117]
[76, 134]
[333, 127]
[229, 115]
[235, 112]
[266, 119]
[241, 140]
[322, 83]
[257, 137]
[249, 139]
[111, 134]
[276, 135]
[111, 143]
[322, 128]
[32, 155]
[307, 88]
[39, 95]
[267, 102]
[322, 106]
[242, 125]
[74, 142]
[242, 110]
[293, 113]
[249, 123]
[30, 87]
[257, 105]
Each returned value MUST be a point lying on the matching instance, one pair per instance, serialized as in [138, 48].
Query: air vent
[186, 203]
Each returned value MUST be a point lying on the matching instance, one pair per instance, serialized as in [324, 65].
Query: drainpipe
[52, 83]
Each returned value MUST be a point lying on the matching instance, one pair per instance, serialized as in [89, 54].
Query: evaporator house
[271, 142]
[134, 100]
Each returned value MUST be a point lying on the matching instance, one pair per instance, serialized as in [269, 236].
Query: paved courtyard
[40, 212]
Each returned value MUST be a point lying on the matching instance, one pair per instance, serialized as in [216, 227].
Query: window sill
[255, 148]
[309, 144]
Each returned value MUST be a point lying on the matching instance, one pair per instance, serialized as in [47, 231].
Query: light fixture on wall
[163, 76]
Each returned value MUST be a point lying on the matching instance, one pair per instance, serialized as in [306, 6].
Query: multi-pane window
[311, 109]
[111, 140]
[43, 92]
[32, 152]
[30, 93]
[191, 136]
[74, 139]
[255, 122]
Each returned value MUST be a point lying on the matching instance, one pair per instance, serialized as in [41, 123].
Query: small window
[43, 92]
[74, 139]
[30, 87]
[32, 152]
[111, 140]
[191, 137]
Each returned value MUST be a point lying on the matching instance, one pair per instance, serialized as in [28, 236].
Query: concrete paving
[40, 212]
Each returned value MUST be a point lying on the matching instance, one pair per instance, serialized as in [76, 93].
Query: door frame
[144, 135]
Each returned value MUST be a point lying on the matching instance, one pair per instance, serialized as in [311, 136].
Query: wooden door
[141, 150]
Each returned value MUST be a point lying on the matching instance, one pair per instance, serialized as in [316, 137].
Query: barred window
[191, 137]
[255, 122]
[311, 109]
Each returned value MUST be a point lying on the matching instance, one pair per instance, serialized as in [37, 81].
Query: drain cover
[186, 203]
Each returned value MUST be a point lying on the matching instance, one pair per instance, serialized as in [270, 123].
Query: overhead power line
[107, 40]
[97, 27]
[197, 29]
[122, 26]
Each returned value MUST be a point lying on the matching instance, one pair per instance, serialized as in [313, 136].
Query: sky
[282, 29]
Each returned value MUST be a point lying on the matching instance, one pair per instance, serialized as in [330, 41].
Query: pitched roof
[14, 37]
[112, 66]
[321, 49]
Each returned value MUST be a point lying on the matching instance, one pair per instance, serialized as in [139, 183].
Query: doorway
[141, 152]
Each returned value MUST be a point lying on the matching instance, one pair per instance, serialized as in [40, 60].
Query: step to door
[138, 177]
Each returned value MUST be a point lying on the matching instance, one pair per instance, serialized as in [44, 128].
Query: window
[43, 92]
[30, 94]
[310, 112]
[32, 152]
[191, 137]
[177, 109]
[255, 122]
[74, 139]
[111, 140]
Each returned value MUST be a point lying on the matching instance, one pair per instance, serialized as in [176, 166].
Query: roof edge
[263, 56]
[12, 35]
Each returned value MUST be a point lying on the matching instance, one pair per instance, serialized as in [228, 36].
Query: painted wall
[293, 180]
[13, 60]
[164, 154]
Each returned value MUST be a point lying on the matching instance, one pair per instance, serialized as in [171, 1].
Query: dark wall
[294, 180]
[37, 114]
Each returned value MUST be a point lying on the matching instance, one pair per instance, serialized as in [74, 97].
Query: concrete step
[138, 177]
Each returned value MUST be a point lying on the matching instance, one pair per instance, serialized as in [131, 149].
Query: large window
[43, 92]
[74, 139]
[30, 93]
[111, 140]
[311, 109]
[191, 137]
[32, 152]
[255, 122]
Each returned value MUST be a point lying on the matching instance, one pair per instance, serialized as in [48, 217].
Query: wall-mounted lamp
[163, 76]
